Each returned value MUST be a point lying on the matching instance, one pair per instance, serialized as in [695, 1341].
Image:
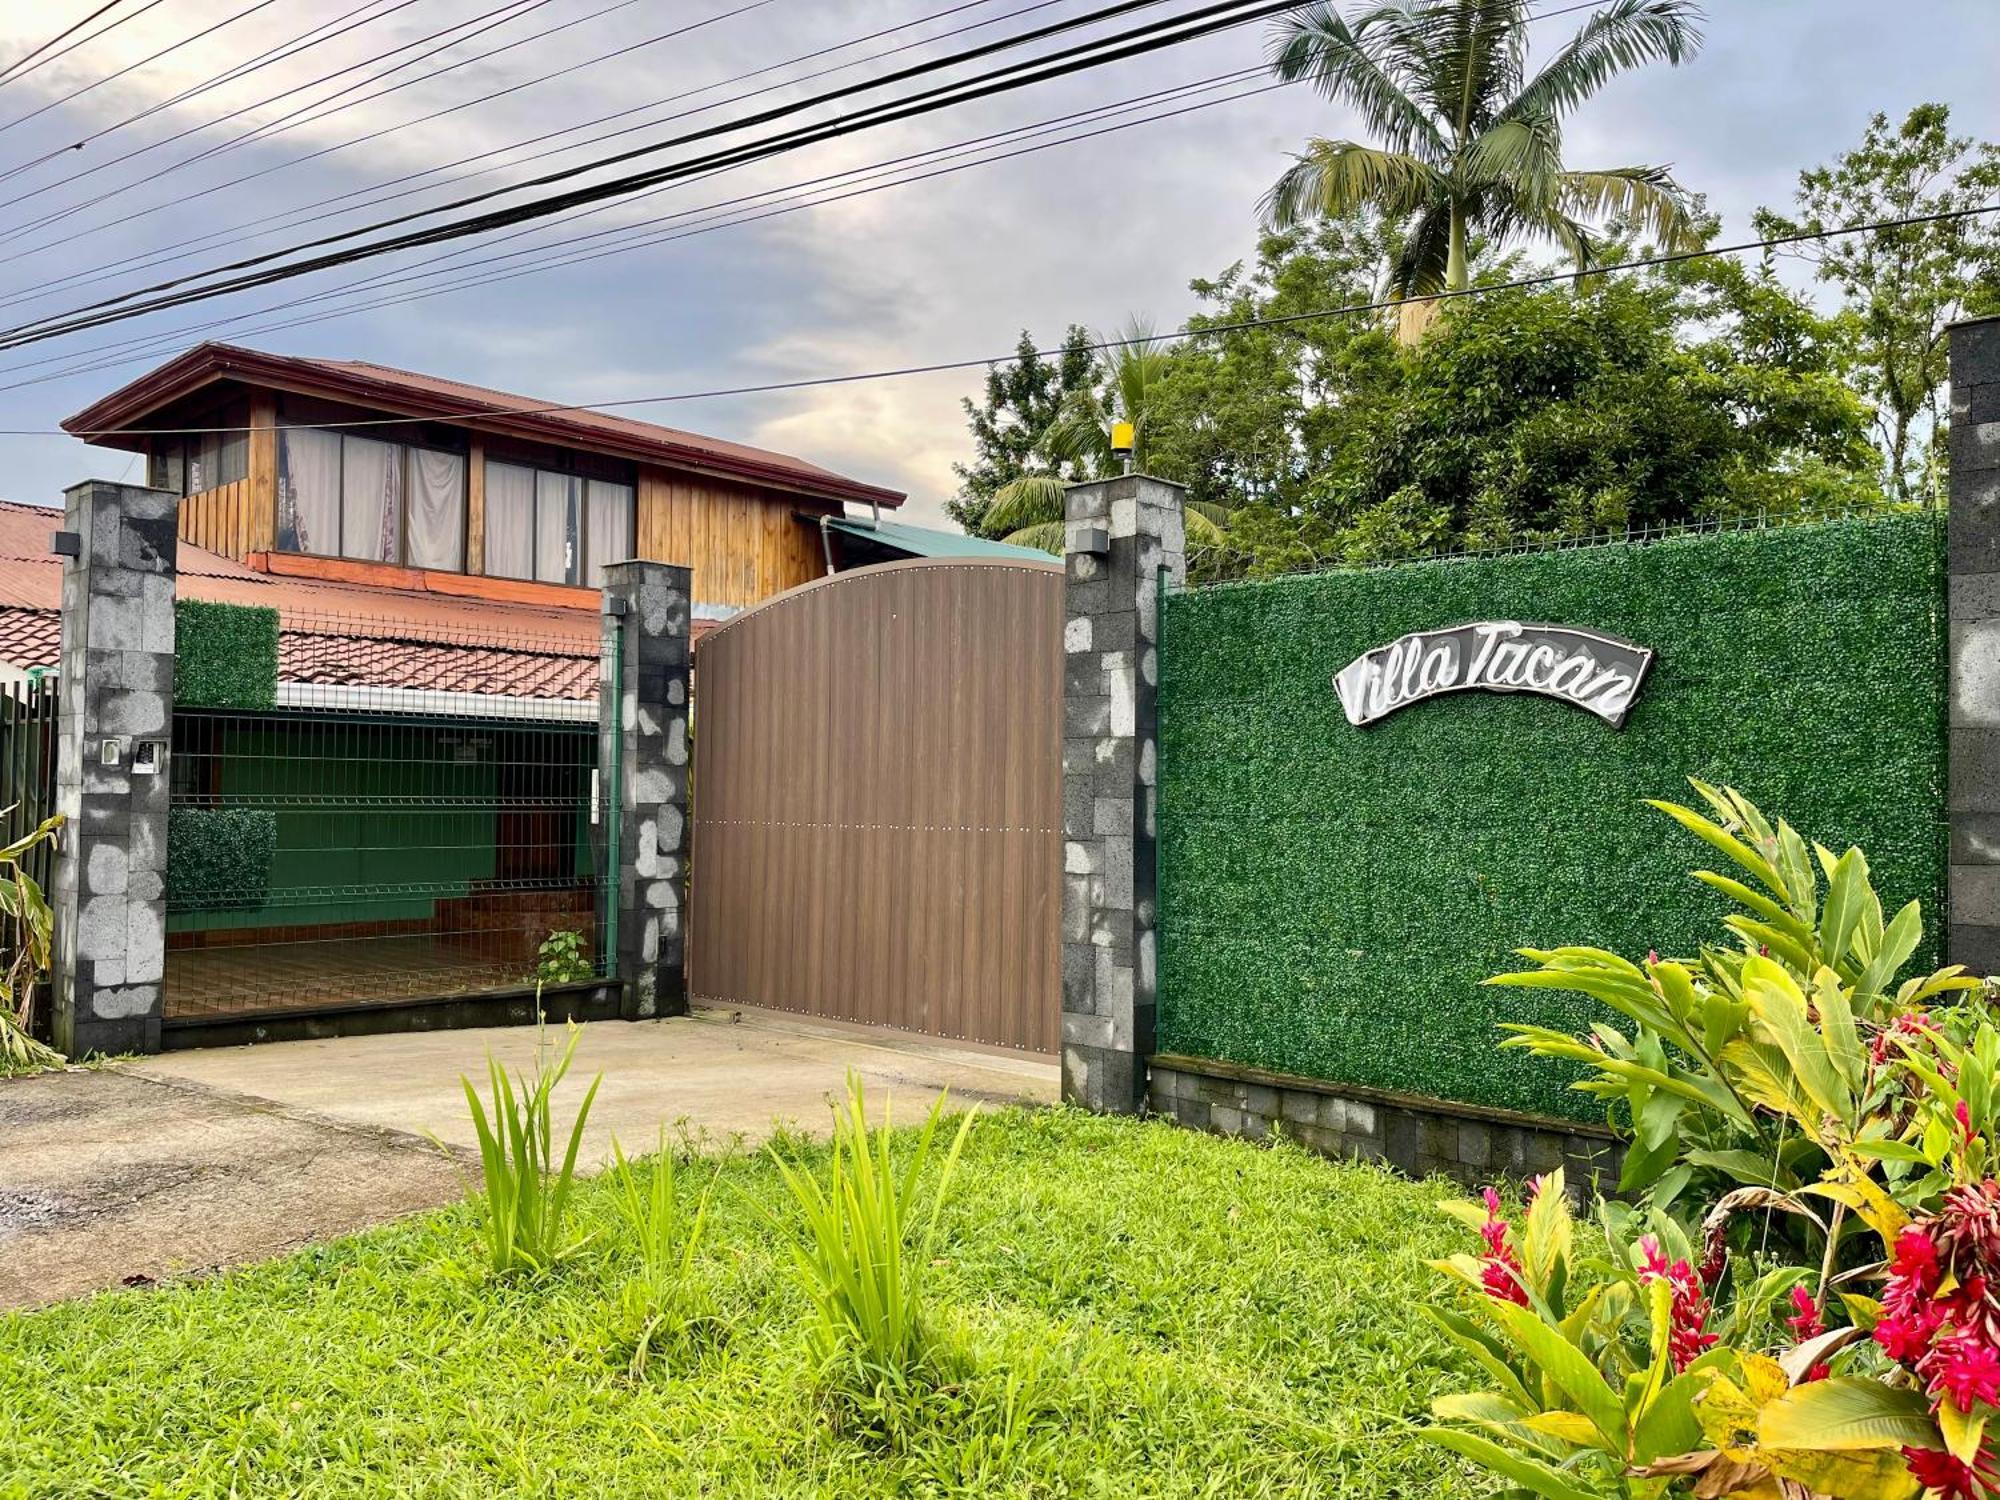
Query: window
[553, 527]
[194, 463]
[343, 495]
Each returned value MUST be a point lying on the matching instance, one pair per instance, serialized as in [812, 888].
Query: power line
[499, 16]
[160, 256]
[290, 47]
[1204, 21]
[13, 68]
[644, 235]
[98, 83]
[1241, 325]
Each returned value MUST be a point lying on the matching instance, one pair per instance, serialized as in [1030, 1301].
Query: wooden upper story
[345, 469]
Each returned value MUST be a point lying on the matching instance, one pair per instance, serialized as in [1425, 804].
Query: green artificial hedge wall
[225, 655]
[1330, 897]
[220, 858]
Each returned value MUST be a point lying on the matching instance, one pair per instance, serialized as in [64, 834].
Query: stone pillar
[648, 605]
[111, 771]
[1120, 535]
[1973, 568]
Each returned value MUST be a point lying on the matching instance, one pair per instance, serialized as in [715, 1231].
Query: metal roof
[921, 541]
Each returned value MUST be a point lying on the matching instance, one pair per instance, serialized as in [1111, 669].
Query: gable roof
[109, 421]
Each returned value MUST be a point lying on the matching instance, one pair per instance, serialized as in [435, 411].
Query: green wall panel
[1330, 897]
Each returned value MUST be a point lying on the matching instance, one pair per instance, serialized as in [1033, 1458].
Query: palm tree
[1029, 511]
[1470, 143]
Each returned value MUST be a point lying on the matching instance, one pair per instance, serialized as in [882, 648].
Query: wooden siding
[223, 519]
[878, 802]
[743, 544]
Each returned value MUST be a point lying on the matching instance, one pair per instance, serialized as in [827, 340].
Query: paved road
[198, 1160]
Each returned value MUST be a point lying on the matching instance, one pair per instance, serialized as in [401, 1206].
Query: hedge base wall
[1423, 1137]
[1331, 897]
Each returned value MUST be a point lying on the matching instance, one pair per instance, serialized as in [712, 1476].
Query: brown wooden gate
[878, 802]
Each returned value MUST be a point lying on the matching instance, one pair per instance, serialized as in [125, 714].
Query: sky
[745, 288]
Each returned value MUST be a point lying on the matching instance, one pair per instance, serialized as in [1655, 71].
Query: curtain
[371, 499]
[555, 527]
[437, 510]
[610, 527]
[510, 521]
[309, 491]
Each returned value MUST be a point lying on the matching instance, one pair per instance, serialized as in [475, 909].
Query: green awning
[921, 541]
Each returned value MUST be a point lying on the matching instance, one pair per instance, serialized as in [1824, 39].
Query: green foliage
[220, 858]
[1209, 1318]
[225, 655]
[665, 1300]
[1901, 287]
[27, 937]
[1754, 1066]
[1023, 398]
[866, 1247]
[525, 1206]
[1470, 141]
[561, 959]
[1330, 898]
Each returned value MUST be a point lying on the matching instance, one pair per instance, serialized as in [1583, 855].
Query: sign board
[1596, 672]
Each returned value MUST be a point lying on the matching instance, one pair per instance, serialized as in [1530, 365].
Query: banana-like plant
[1756, 1065]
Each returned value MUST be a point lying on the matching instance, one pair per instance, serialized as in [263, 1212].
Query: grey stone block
[1361, 1119]
[1299, 1107]
[1475, 1143]
[1975, 895]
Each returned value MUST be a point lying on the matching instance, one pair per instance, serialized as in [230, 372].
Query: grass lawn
[1142, 1311]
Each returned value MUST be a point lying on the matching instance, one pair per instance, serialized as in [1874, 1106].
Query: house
[351, 471]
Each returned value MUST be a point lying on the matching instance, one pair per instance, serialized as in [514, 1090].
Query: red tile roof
[329, 633]
[433, 398]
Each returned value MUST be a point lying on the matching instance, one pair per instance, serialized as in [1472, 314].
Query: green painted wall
[364, 807]
[1331, 896]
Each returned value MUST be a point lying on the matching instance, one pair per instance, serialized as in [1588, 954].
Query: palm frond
[1622, 36]
[1336, 178]
[1201, 529]
[1043, 536]
[1342, 63]
[1476, 51]
[1420, 264]
[1030, 501]
[1080, 432]
[1646, 196]
[1219, 514]
[1524, 154]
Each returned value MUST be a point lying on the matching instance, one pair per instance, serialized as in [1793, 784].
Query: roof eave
[100, 423]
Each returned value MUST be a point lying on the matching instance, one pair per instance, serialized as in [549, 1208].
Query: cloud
[947, 269]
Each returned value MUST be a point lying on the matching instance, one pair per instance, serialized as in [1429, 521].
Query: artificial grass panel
[220, 858]
[225, 655]
[1179, 1315]
[1330, 897]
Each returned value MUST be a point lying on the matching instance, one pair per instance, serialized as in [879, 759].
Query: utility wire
[233, 234]
[1241, 325]
[1192, 26]
[290, 47]
[728, 214]
[14, 68]
[98, 83]
[499, 16]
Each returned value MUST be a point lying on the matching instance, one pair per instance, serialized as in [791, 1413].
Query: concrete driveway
[197, 1160]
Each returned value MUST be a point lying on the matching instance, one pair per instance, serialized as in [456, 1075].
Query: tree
[1903, 286]
[1469, 143]
[1022, 399]
[1029, 510]
[1702, 393]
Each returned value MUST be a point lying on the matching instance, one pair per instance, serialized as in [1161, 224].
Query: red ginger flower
[1686, 1336]
[1807, 1322]
[1964, 1367]
[1500, 1268]
[1941, 1473]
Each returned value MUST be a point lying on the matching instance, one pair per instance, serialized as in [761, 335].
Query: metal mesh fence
[419, 816]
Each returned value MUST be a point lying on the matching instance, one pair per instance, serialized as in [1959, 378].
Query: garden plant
[27, 931]
[1801, 1296]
